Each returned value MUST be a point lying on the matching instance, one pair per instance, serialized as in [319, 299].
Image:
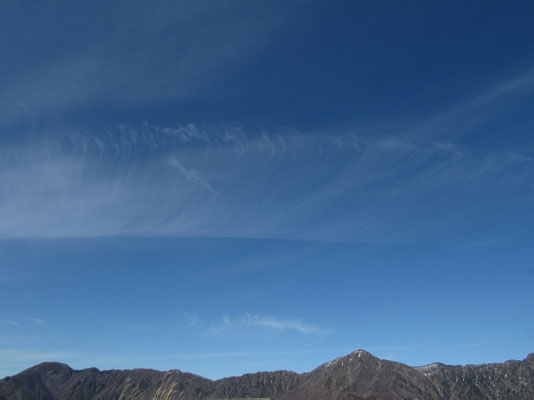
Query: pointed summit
[362, 354]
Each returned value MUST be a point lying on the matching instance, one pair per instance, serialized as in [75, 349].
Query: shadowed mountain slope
[356, 376]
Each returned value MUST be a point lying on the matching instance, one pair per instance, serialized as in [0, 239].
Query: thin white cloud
[471, 113]
[13, 322]
[221, 182]
[99, 72]
[192, 320]
[394, 144]
[37, 321]
[273, 323]
[222, 328]
[451, 148]
[191, 175]
[267, 323]
[9, 322]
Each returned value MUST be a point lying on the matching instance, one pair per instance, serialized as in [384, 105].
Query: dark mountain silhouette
[356, 376]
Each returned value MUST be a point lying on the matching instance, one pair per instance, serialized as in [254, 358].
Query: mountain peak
[354, 358]
[361, 353]
[50, 368]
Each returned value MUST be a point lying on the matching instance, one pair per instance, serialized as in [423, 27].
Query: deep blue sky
[226, 187]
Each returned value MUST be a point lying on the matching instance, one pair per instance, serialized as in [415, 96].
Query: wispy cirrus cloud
[36, 321]
[394, 144]
[228, 182]
[191, 175]
[194, 180]
[19, 322]
[266, 323]
[467, 115]
[9, 322]
[99, 70]
[282, 325]
[225, 326]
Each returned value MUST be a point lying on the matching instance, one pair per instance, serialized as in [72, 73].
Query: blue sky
[231, 187]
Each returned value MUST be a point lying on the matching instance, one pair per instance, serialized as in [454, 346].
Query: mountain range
[356, 376]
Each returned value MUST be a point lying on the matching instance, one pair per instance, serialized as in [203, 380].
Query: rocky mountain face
[356, 376]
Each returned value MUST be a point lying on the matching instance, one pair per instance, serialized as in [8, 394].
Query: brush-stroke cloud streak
[267, 323]
[9, 322]
[276, 324]
[126, 56]
[226, 182]
[466, 116]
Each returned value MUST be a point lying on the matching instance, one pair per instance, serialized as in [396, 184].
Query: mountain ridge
[358, 375]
